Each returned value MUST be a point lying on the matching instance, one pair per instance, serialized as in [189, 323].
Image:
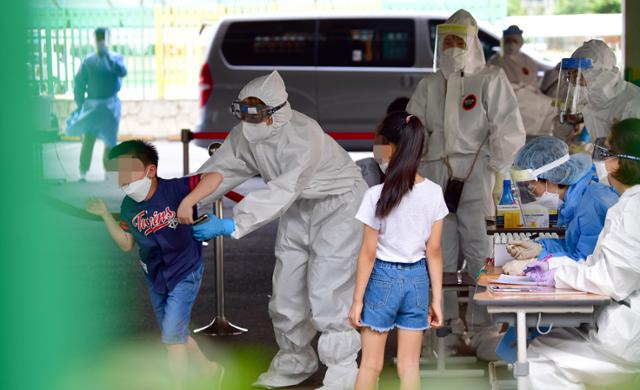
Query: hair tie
[408, 118]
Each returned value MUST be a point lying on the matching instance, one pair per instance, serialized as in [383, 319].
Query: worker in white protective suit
[471, 115]
[520, 68]
[607, 354]
[609, 98]
[315, 189]
[536, 109]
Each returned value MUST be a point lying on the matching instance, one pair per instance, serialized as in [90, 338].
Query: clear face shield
[527, 181]
[252, 113]
[452, 46]
[571, 95]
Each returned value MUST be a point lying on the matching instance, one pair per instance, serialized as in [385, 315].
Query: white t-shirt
[402, 235]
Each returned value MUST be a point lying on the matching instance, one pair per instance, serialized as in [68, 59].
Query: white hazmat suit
[481, 112]
[569, 358]
[486, 107]
[315, 189]
[536, 109]
[520, 69]
[609, 97]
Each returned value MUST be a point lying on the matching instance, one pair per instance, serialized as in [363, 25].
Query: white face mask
[601, 171]
[102, 46]
[383, 166]
[382, 155]
[550, 200]
[139, 189]
[256, 132]
[511, 48]
[453, 60]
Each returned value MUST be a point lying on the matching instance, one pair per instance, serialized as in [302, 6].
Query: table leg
[521, 368]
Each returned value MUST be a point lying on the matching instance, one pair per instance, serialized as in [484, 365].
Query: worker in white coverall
[607, 354]
[536, 109]
[519, 67]
[474, 131]
[315, 189]
[609, 98]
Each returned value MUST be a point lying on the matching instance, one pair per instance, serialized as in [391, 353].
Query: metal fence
[164, 45]
[160, 47]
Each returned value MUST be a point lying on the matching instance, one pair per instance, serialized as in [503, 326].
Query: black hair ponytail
[408, 135]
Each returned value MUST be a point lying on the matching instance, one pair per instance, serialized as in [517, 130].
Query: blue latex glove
[508, 347]
[584, 136]
[540, 273]
[214, 227]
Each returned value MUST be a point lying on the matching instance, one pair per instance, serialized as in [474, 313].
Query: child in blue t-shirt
[169, 255]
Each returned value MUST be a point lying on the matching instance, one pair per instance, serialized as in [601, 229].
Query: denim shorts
[173, 309]
[397, 296]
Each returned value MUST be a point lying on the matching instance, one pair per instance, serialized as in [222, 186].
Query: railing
[186, 136]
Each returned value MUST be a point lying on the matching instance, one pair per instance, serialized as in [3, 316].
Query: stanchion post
[185, 136]
[220, 326]
[219, 253]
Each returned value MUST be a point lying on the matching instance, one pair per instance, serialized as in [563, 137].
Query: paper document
[519, 280]
[533, 290]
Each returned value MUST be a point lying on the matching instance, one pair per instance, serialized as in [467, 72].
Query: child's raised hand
[354, 314]
[185, 213]
[96, 206]
[435, 315]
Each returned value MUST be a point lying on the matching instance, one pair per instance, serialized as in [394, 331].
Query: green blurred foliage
[514, 8]
[143, 365]
[53, 293]
[564, 7]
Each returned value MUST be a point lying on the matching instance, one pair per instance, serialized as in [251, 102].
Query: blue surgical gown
[583, 212]
[96, 87]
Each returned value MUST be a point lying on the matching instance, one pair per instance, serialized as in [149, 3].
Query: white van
[343, 70]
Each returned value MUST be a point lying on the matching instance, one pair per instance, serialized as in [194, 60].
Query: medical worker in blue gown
[95, 90]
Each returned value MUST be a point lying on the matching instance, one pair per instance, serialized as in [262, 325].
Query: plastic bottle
[507, 196]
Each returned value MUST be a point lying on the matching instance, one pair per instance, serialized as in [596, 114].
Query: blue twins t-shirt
[168, 251]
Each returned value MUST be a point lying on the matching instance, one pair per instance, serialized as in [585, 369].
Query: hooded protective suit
[570, 358]
[536, 109]
[610, 98]
[485, 108]
[520, 69]
[315, 189]
[480, 113]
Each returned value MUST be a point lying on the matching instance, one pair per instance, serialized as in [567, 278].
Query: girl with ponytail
[403, 220]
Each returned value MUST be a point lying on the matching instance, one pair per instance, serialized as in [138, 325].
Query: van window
[366, 42]
[490, 45]
[273, 42]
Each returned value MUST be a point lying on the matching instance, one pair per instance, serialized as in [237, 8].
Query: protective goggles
[520, 175]
[600, 152]
[253, 113]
